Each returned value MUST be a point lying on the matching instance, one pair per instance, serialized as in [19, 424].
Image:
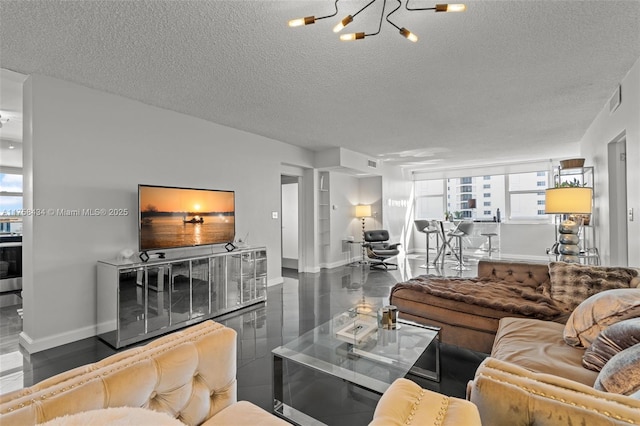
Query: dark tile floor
[301, 303]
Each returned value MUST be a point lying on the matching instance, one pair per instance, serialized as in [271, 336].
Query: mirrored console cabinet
[137, 301]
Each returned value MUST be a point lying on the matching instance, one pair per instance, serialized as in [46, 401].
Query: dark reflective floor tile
[299, 304]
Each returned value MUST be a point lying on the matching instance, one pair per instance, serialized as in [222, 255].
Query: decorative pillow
[622, 373]
[610, 341]
[571, 283]
[598, 312]
[117, 416]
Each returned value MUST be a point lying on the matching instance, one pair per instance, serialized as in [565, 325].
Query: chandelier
[361, 35]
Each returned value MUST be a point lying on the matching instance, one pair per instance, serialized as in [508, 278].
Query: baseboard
[507, 256]
[105, 327]
[37, 345]
[289, 263]
[341, 262]
[310, 270]
[275, 281]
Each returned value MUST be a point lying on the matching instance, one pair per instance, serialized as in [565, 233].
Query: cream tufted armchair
[189, 375]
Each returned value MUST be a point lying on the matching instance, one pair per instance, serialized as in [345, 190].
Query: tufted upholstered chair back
[529, 274]
[189, 374]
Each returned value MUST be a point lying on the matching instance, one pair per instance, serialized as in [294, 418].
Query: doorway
[618, 236]
[290, 208]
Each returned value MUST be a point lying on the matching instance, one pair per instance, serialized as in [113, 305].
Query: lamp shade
[363, 210]
[568, 200]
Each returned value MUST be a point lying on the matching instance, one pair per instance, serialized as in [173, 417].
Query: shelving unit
[137, 301]
[584, 177]
[324, 213]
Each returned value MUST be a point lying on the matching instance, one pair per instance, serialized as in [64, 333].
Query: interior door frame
[618, 227]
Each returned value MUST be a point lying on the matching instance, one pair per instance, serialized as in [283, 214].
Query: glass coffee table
[351, 348]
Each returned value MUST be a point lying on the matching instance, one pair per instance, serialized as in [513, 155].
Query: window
[519, 196]
[11, 202]
[525, 196]
[430, 199]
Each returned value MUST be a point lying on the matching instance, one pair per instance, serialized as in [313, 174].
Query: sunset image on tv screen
[183, 217]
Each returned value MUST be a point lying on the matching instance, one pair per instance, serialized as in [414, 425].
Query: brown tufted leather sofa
[189, 375]
[466, 325]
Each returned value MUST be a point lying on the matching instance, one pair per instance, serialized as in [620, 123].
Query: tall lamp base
[364, 256]
[569, 240]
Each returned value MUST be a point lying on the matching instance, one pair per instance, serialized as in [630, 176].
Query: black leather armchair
[379, 250]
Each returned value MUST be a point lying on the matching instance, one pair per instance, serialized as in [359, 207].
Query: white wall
[343, 199]
[398, 204]
[89, 149]
[370, 192]
[606, 128]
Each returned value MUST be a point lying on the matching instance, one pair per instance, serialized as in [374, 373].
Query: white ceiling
[527, 75]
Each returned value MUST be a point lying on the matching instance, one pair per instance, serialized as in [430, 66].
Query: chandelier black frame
[308, 20]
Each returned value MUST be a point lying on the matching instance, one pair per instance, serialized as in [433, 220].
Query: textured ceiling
[530, 75]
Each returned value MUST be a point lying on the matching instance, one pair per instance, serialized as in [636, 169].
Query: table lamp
[568, 201]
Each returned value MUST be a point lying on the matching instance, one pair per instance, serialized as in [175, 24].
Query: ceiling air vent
[615, 100]
[372, 163]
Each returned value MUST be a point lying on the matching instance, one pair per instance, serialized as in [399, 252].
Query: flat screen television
[171, 217]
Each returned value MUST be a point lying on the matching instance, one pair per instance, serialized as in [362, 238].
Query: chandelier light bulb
[456, 8]
[343, 24]
[352, 36]
[450, 7]
[308, 20]
[409, 35]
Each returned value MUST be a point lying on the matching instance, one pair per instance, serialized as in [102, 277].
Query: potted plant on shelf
[575, 183]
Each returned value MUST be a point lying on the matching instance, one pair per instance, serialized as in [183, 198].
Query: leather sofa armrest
[406, 403]
[507, 394]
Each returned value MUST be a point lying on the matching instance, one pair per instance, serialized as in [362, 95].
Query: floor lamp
[363, 211]
[567, 201]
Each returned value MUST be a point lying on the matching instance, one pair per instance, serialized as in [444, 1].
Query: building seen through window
[517, 195]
